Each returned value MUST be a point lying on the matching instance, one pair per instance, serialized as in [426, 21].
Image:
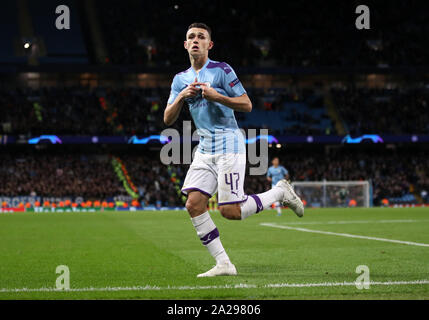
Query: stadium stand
[334, 40]
[366, 110]
[54, 39]
[9, 35]
[286, 112]
[139, 111]
[398, 176]
[109, 92]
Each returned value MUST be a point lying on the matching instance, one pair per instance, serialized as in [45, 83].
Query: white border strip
[347, 235]
[227, 286]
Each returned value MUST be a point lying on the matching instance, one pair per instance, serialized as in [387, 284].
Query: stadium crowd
[298, 35]
[92, 177]
[388, 111]
[80, 110]
[58, 176]
[131, 110]
[128, 111]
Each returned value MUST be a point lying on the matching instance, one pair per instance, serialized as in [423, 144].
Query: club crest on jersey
[234, 82]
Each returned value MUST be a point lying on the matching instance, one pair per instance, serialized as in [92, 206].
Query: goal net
[334, 193]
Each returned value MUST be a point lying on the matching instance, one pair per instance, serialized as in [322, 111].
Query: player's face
[198, 42]
[275, 162]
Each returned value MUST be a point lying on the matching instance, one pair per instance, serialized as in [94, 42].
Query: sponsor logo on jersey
[234, 82]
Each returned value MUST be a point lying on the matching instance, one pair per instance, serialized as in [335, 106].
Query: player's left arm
[236, 99]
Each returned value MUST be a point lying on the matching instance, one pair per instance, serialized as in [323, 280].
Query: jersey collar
[204, 66]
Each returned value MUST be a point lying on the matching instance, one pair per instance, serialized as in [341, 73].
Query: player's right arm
[176, 99]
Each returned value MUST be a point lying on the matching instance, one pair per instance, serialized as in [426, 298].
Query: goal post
[334, 193]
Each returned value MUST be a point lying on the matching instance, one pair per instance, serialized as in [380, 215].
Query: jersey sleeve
[232, 84]
[285, 172]
[269, 174]
[175, 90]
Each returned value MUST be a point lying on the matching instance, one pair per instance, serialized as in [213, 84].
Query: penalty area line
[347, 235]
[227, 286]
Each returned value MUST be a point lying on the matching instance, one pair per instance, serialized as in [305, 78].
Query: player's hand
[208, 92]
[191, 90]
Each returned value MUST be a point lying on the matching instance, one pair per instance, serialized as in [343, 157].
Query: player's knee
[195, 205]
[230, 212]
[192, 206]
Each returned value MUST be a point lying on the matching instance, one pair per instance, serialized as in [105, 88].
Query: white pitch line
[354, 222]
[347, 235]
[226, 286]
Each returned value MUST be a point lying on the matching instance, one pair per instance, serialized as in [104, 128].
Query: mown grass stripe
[227, 286]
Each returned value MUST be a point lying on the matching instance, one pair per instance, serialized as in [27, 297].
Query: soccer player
[276, 173]
[213, 92]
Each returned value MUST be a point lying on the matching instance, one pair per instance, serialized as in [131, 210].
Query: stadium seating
[54, 40]
[316, 35]
[130, 111]
[91, 176]
[309, 39]
[366, 110]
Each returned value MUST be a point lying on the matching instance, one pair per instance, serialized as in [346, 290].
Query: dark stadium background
[316, 82]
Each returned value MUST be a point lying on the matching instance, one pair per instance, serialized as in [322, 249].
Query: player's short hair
[201, 26]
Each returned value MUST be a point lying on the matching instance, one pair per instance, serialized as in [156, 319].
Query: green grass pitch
[157, 255]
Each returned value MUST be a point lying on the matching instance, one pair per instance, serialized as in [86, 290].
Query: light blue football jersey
[276, 174]
[216, 124]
